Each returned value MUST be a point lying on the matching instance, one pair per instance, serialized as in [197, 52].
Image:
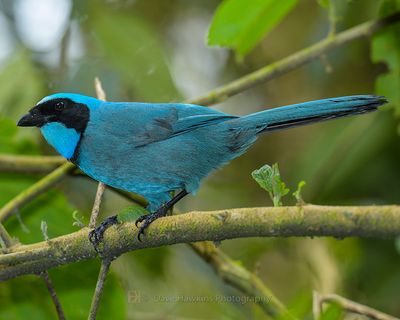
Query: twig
[316, 305]
[37, 188]
[5, 238]
[96, 205]
[101, 186]
[50, 287]
[25, 164]
[308, 220]
[105, 263]
[242, 279]
[104, 268]
[332, 14]
[101, 95]
[65, 41]
[294, 61]
[347, 305]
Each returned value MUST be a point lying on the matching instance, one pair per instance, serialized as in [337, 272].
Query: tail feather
[313, 111]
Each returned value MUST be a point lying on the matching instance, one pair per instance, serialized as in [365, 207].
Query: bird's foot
[97, 234]
[147, 219]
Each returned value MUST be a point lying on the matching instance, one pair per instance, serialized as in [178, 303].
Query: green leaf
[241, 24]
[297, 193]
[269, 179]
[386, 49]
[131, 213]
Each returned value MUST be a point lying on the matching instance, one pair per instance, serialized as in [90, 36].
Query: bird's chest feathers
[63, 139]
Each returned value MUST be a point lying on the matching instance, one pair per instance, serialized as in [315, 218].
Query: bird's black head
[59, 109]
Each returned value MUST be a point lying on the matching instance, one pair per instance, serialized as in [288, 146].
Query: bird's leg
[147, 219]
[97, 234]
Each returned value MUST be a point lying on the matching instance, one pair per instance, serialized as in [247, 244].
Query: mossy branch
[309, 220]
[29, 164]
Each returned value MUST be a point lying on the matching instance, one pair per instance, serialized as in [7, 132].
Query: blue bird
[153, 149]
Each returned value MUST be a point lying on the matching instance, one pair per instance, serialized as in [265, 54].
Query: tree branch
[37, 188]
[5, 238]
[50, 287]
[242, 279]
[101, 187]
[347, 305]
[29, 164]
[104, 268]
[309, 220]
[295, 60]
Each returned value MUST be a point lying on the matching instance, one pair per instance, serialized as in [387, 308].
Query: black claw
[140, 219]
[147, 219]
[97, 234]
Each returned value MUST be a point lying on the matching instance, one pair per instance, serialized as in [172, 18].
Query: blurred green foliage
[154, 51]
[386, 48]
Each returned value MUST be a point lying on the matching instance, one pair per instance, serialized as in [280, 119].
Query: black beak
[31, 120]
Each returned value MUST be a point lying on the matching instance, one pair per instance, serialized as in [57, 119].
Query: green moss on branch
[310, 220]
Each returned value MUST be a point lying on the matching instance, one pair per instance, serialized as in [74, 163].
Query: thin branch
[29, 164]
[349, 306]
[34, 190]
[101, 95]
[316, 305]
[5, 238]
[101, 186]
[309, 220]
[96, 205]
[242, 279]
[332, 14]
[50, 287]
[104, 268]
[294, 61]
[105, 263]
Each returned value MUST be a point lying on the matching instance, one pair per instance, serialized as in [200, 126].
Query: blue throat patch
[61, 138]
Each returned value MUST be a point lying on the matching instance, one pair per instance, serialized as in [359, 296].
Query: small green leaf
[241, 24]
[131, 213]
[78, 219]
[269, 179]
[43, 228]
[297, 193]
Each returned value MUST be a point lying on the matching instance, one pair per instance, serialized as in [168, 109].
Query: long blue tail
[310, 112]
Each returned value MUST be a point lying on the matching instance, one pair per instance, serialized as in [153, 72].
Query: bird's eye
[59, 106]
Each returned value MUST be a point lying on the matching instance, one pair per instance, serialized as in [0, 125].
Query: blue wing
[144, 123]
